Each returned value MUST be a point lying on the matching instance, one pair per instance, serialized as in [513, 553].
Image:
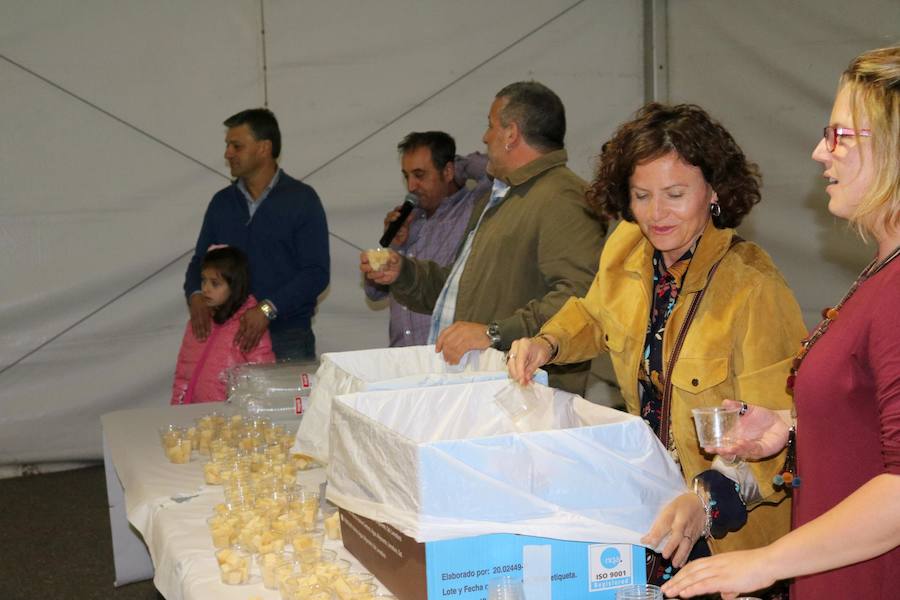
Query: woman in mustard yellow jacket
[674, 268]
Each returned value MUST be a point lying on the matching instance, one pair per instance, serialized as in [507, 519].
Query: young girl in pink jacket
[200, 371]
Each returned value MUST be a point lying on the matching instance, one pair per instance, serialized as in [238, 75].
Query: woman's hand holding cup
[759, 433]
[527, 355]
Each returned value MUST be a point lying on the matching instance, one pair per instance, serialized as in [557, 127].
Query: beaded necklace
[831, 313]
[789, 476]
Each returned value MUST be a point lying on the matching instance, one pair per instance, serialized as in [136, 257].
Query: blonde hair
[874, 83]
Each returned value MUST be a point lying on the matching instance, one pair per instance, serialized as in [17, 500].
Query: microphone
[409, 203]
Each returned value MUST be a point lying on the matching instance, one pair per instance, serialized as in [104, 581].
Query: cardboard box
[462, 568]
[447, 462]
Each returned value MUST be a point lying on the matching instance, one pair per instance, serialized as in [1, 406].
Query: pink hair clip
[216, 247]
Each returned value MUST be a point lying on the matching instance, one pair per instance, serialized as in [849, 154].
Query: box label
[609, 566]
[462, 568]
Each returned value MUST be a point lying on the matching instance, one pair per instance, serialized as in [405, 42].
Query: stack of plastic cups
[273, 433]
[249, 439]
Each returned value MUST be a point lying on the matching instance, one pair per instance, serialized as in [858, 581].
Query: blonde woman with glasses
[845, 541]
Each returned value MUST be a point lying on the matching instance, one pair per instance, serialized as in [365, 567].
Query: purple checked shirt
[437, 239]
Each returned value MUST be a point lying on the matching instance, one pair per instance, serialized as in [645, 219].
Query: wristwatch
[493, 332]
[267, 309]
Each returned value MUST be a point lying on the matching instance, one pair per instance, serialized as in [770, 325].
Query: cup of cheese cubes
[378, 258]
[176, 443]
[234, 565]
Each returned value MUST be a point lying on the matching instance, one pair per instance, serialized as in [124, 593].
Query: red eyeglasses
[833, 135]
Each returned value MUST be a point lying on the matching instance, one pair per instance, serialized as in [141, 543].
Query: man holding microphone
[530, 244]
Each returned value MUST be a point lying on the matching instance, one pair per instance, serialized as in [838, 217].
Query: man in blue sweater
[280, 224]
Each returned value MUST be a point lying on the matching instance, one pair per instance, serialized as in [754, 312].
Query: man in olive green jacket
[530, 246]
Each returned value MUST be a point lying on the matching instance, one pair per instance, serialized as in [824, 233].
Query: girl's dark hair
[231, 264]
[686, 129]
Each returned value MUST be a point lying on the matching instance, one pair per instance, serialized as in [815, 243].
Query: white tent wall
[111, 143]
[769, 71]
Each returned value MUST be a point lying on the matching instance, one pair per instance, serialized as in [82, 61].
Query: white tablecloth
[168, 505]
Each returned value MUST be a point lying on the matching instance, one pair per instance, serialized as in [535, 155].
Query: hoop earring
[714, 209]
[506, 147]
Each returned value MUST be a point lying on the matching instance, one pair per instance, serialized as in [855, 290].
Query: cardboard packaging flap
[449, 462]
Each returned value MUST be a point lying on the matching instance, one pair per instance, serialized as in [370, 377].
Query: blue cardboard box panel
[462, 568]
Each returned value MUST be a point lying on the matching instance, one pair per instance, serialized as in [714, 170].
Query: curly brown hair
[688, 130]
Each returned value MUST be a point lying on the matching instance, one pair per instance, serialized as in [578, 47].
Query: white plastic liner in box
[448, 462]
[386, 369]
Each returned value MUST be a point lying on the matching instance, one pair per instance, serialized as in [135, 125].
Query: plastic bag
[448, 462]
[387, 369]
[279, 391]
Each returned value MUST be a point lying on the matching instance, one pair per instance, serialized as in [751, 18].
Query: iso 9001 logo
[610, 566]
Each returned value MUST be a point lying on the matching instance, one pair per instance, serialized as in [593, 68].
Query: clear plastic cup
[253, 534]
[269, 541]
[313, 592]
[354, 586]
[176, 443]
[331, 521]
[516, 400]
[235, 564]
[286, 523]
[302, 539]
[288, 586]
[714, 425]
[639, 592]
[306, 503]
[212, 473]
[222, 530]
[378, 258]
[308, 559]
[275, 566]
[332, 571]
[169, 435]
[364, 591]
[194, 435]
[360, 577]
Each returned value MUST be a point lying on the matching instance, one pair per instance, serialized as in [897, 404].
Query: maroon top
[848, 414]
